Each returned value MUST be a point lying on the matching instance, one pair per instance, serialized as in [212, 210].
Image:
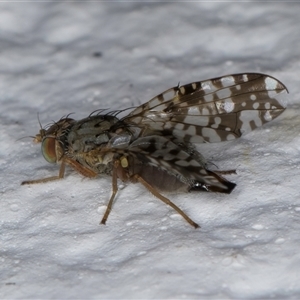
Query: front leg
[52, 178]
[65, 161]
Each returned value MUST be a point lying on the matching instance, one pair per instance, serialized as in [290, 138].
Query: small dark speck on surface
[97, 54]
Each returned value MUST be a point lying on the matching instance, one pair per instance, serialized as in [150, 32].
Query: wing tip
[221, 186]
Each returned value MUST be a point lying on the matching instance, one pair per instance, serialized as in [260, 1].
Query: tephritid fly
[153, 144]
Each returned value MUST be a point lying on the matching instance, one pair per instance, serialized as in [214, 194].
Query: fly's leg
[164, 199]
[43, 180]
[86, 172]
[114, 192]
[227, 172]
[74, 164]
[117, 167]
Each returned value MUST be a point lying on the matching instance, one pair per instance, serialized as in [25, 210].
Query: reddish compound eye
[48, 149]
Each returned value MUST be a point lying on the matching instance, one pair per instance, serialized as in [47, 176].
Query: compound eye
[48, 149]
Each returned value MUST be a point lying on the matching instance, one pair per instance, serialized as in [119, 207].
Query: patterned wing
[213, 110]
[187, 166]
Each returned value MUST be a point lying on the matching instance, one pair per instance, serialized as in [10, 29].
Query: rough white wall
[51, 245]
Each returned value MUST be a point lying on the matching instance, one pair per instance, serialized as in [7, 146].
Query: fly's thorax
[99, 161]
[89, 133]
[97, 157]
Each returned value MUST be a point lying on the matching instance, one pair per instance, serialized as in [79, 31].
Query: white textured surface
[51, 245]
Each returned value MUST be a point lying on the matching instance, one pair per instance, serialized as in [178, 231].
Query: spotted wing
[213, 110]
[188, 167]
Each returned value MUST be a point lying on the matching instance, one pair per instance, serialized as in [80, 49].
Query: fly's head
[53, 140]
